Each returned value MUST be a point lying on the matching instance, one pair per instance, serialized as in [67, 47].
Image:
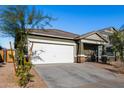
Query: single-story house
[57, 46]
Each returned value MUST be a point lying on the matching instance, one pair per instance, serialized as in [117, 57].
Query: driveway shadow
[112, 70]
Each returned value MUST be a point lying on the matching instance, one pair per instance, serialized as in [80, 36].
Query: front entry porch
[91, 52]
[91, 47]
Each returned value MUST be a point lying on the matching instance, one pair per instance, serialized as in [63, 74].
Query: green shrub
[23, 73]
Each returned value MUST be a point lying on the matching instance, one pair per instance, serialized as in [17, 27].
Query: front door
[91, 51]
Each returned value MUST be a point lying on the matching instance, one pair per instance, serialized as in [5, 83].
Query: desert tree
[17, 21]
[117, 41]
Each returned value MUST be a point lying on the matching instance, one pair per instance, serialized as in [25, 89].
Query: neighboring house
[57, 46]
[106, 33]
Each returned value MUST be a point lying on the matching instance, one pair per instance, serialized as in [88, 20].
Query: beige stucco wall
[52, 39]
[95, 37]
[93, 41]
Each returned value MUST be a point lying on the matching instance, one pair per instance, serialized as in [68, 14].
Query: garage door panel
[52, 53]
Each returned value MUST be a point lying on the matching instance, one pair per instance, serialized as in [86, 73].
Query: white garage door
[52, 53]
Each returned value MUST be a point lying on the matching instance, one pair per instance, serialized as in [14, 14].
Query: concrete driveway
[78, 75]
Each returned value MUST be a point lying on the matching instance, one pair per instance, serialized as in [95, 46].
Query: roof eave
[51, 36]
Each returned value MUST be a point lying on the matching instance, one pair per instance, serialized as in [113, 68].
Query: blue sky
[81, 19]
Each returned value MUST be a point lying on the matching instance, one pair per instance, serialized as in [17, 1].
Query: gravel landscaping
[9, 80]
[7, 77]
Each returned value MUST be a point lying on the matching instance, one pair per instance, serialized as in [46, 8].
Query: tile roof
[53, 33]
[68, 35]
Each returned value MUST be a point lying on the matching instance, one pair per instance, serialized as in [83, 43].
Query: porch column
[99, 53]
[81, 48]
[81, 56]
